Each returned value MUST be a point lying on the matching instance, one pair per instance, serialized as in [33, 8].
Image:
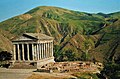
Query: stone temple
[32, 49]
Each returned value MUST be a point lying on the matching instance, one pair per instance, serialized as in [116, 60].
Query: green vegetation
[4, 55]
[111, 71]
[4, 58]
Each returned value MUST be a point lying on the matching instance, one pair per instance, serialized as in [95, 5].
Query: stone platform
[30, 64]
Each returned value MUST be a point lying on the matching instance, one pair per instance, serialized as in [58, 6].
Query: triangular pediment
[24, 38]
[32, 37]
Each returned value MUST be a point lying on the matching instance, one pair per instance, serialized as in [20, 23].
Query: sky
[11, 8]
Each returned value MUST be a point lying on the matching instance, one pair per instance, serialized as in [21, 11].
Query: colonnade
[32, 51]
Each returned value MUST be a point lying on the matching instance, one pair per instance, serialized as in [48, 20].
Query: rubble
[67, 67]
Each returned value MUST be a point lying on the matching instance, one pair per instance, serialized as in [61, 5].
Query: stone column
[52, 48]
[23, 57]
[44, 51]
[33, 52]
[14, 52]
[37, 52]
[18, 52]
[28, 54]
[40, 51]
[49, 48]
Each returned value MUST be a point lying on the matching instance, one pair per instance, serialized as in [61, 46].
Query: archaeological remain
[32, 49]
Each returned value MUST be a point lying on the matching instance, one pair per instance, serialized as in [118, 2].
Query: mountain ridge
[71, 30]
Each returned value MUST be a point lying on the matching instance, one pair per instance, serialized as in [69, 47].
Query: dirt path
[29, 74]
[41, 75]
[15, 73]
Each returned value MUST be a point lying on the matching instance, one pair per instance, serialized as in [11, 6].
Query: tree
[70, 55]
[4, 55]
[57, 53]
[111, 70]
[4, 58]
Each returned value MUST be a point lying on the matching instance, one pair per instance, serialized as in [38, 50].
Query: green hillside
[75, 32]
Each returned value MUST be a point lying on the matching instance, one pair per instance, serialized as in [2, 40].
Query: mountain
[75, 32]
[5, 43]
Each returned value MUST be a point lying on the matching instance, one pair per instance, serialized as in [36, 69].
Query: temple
[33, 48]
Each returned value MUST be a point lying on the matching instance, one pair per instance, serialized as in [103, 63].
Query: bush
[4, 58]
[4, 55]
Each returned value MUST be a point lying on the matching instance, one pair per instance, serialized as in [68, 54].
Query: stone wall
[42, 62]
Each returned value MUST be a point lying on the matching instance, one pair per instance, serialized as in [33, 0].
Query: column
[42, 56]
[48, 49]
[28, 54]
[52, 48]
[33, 52]
[14, 52]
[37, 52]
[44, 51]
[23, 57]
[18, 52]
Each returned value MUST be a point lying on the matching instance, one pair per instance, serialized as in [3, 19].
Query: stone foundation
[30, 64]
[42, 62]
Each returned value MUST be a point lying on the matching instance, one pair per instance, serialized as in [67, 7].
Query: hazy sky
[10, 8]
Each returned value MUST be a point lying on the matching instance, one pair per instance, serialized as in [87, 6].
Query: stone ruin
[67, 67]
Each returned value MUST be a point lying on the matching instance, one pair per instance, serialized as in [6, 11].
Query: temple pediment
[24, 38]
[33, 37]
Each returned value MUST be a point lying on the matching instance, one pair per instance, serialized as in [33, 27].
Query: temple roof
[39, 36]
[33, 36]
